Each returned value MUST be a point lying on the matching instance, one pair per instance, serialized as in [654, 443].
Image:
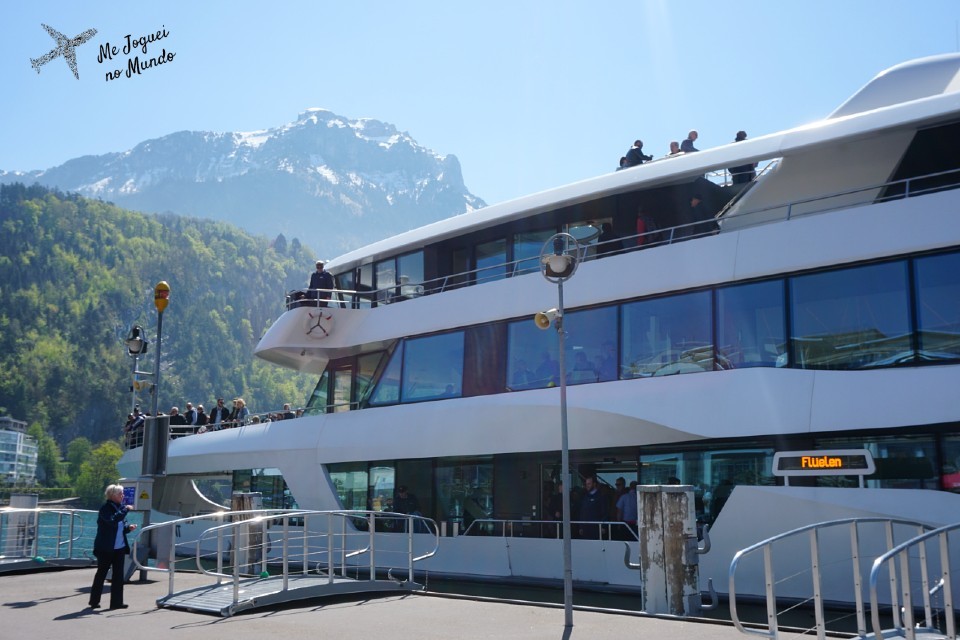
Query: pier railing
[234, 545]
[838, 547]
[46, 535]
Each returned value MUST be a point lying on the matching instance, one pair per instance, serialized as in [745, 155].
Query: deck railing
[845, 199]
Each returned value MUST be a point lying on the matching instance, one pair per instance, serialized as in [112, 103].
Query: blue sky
[527, 94]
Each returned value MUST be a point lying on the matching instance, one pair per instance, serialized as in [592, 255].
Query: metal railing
[872, 194]
[44, 533]
[902, 564]
[582, 529]
[852, 555]
[285, 542]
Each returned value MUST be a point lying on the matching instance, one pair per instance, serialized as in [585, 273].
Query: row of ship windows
[905, 311]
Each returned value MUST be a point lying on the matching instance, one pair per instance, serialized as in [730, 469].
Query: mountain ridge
[334, 182]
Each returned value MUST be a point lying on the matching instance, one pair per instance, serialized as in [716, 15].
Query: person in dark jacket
[635, 155]
[110, 546]
[321, 283]
[593, 509]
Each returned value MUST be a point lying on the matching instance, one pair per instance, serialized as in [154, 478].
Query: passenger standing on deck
[218, 415]
[110, 546]
[593, 509]
[745, 172]
[687, 145]
[321, 283]
[627, 507]
[674, 148]
[635, 155]
[190, 415]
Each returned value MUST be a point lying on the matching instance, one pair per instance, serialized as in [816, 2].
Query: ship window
[938, 306]
[388, 388]
[386, 271]
[433, 367]
[590, 350]
[366, 372]
[903, 462]
[950, 479]
[526, 250]
[491, 260]
[345, 283]
[932, 152]
[666, 336]
[750, 326]
[365, 284]
[464, 490]
[851, 318]
[318, 400]
[410, 278]
[350, 482]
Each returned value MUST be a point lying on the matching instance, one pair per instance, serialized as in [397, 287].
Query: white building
[18, 453]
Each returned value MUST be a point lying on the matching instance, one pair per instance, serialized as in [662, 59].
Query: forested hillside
[76, 274]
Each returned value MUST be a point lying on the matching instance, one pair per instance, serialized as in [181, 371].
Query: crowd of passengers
[738, 175]
[197, 420]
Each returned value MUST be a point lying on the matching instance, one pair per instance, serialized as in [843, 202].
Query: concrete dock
[52, 606]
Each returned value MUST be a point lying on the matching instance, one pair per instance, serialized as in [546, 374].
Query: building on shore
[18, 453]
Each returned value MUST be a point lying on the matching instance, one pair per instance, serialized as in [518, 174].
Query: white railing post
[371, 525]
[330, 564]
[410, 552]
[286, 560]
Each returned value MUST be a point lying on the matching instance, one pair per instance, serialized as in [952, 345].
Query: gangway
[261, 558]
[39, 538]
[834, 556]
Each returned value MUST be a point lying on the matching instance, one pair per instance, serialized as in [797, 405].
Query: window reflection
[903, 462]
[464, 490]
[526, 250]
[667, 336]
[750, 326]
[433, 367]
[350, 482]
[938, 306]
[851, 318]
[491, 260]
[388, 387]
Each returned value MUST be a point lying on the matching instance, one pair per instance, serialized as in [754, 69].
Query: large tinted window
[591, 345]
[666, 336]
[531, 356]
[526, 250]
[386, 279]
[751, 326]
[491, 260]
[388, 388]
[410, 267]
[938, 306]
[851, 318]
[433, 367]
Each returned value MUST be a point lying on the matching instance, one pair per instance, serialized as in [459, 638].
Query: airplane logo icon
[65, 47]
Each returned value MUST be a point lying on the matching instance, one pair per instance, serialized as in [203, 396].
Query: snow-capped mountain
[332, 182]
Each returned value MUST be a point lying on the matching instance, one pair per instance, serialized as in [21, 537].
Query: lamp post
[161, 295]
[136, 346]
[558, 262]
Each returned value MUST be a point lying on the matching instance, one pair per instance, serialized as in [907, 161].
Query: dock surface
[51, 605]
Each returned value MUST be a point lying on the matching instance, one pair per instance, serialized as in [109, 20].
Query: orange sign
[161, 295]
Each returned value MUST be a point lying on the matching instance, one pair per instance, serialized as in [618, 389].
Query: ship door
[343, 388]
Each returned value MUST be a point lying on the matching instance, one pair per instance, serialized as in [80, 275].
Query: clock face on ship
[318, 324]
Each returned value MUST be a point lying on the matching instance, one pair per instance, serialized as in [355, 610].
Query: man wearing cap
[321, 283]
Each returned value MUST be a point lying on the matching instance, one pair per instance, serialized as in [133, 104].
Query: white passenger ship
[815, 307]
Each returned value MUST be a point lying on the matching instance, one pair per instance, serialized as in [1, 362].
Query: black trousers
[105, 562]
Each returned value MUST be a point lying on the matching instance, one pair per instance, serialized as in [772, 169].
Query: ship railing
[808, 552]
[133, 439]
[524, 528]
[44, 533]
[598, 247]
[290, 542]
[905, 570]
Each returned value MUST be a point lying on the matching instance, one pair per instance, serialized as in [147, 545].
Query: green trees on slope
[75, 274]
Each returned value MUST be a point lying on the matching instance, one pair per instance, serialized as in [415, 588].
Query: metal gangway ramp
[40, 538]
[837, 556]
[263, 558]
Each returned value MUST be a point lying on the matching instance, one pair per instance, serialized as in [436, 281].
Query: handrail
[814, 531]
[515, 528]
[906, 626]
[645, 240]
[39, 537]
[327, 541]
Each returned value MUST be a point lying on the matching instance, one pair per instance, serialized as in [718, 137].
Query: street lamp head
[136, 342]
[559, 257]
